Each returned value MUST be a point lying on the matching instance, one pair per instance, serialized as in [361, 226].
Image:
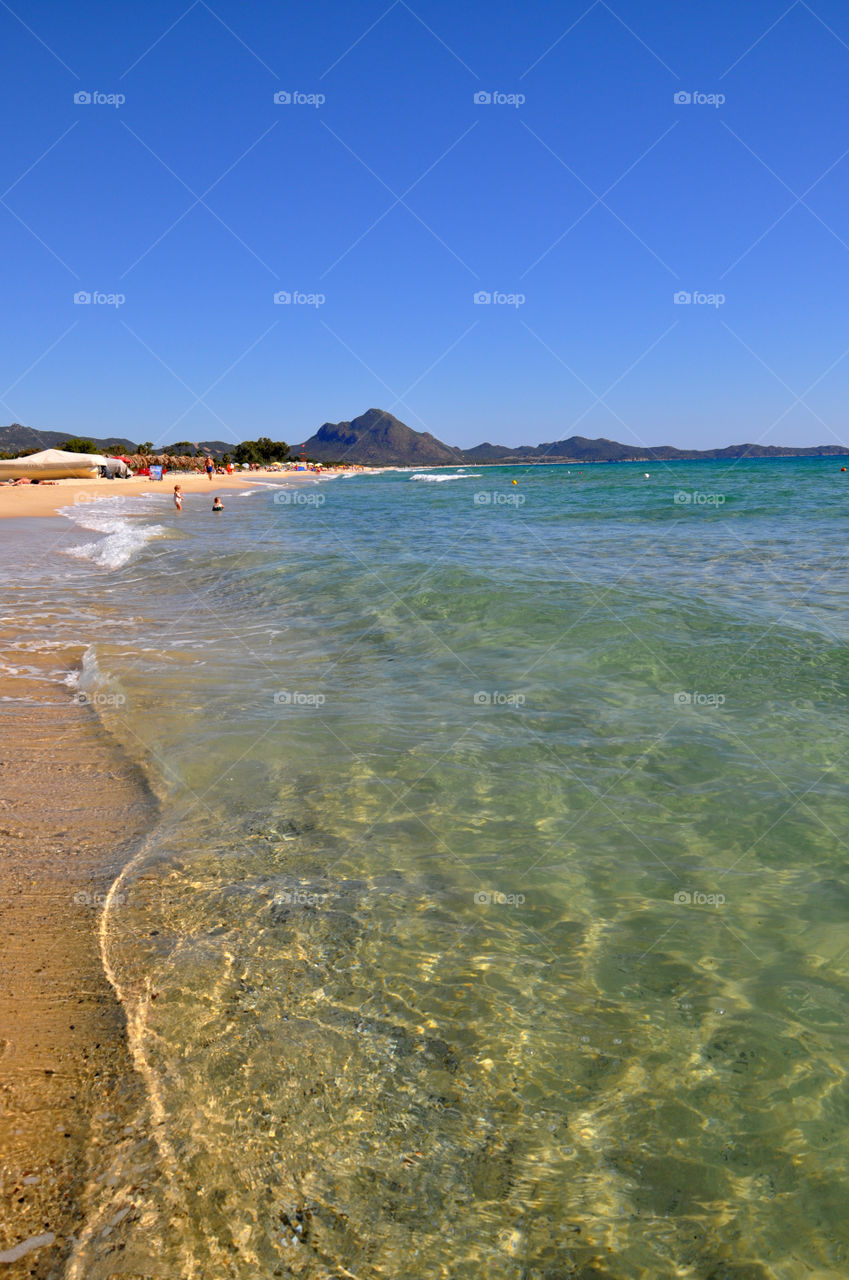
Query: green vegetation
[77, 445]
[262, 450]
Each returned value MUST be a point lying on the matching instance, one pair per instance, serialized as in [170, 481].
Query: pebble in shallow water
[27, 1246]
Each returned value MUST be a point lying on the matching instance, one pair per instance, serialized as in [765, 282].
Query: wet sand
[72, 808]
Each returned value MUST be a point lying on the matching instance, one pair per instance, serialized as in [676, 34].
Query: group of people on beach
[217, 504]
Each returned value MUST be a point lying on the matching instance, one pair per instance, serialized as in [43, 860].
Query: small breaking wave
[122, 537]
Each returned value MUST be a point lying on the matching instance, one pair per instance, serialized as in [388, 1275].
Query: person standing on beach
[178, 497]
[210, 467]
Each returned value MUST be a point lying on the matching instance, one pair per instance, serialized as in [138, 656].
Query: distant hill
[17, 439]
[378, 438]
[580, 449]
[487, 453]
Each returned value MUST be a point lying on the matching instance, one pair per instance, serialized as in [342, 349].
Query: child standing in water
[217, 504]
[178, 497]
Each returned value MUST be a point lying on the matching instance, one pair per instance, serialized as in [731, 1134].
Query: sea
[495, 918]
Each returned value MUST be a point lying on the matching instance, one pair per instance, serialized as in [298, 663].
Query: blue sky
[382, 197]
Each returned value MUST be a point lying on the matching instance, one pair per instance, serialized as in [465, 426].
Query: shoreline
[47, 499]
[74, 807]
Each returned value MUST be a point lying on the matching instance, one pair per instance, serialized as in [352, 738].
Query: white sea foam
[88, 675]
[41, 646]
[8, 669]
[87, 670]
[122, 537]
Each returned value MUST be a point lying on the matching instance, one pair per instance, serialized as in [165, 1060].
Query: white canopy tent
[53, 464]
[118, 467]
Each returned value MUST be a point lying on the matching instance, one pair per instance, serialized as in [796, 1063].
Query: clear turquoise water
[496, 923]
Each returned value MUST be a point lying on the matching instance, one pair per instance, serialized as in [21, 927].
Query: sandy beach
[46, 499]
[73, 807]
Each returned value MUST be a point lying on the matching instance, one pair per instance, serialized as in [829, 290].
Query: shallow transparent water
[496, 923]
